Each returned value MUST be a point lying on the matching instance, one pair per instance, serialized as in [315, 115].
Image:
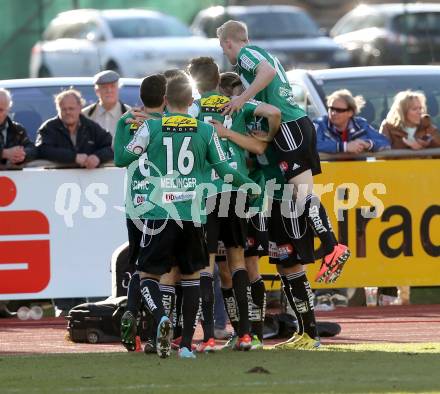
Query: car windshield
[279, 25]
[34, 105]
[142, 27]
[379, 92]
[418, 24]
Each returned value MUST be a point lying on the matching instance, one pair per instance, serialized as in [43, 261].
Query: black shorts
[291, 239]
[172, 245]
[257, 236]
[223, 224]
[134, 229]
[295, 146]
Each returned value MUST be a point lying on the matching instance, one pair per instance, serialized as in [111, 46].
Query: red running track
[398, 324]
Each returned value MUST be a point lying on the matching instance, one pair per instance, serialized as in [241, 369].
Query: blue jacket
[329, 139]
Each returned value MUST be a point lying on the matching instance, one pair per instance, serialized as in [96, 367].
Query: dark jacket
[425, 130]
[16, 136]
[54, 142]
[329, 139]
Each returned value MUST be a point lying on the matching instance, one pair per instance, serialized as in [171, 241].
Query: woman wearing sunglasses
[342, 131]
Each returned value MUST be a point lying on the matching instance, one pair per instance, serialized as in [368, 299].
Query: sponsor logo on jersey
[250, 242]
[284, 92]
[179, 124]
[173, 197]
[221, 153]
[213, 103]
[283, 166]
[246, 63]
[139, 199]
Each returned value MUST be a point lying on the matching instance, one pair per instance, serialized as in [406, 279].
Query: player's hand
[92, 162]
[139, 116]
[222, 131]
[233, 106]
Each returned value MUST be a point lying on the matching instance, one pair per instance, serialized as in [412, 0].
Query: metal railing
[386, 154]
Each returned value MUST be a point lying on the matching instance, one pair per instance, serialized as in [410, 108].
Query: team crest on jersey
[213, 103]
[246, 63]
[179, 124]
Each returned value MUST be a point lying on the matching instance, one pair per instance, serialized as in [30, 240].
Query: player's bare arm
[273, 116]
[247, 142]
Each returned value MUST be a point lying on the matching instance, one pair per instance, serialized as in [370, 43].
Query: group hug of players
[236, 172]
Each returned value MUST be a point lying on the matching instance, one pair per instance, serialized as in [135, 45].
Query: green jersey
[210, 107]
[177, 148]
[137, 187]
[268, 163]
[279, 92]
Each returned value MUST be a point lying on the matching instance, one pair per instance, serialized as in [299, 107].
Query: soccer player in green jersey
[228, 226]
[290, 238]
[295, 143]
[152, 92]
[177, 147]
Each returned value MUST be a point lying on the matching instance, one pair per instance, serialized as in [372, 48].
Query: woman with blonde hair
[407, 124]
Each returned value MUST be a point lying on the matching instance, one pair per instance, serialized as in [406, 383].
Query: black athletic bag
[96, 322]
[284, 325]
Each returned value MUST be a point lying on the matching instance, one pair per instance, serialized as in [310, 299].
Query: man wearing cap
[108, 109]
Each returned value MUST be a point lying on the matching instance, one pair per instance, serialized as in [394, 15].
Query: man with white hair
[72, 138]
[15, 145]
[108, 109]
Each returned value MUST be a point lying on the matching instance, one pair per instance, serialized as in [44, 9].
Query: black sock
[257, 310]
[190, 309]
[319, 221]
[152, 298]
[231, 307]
[302, 296]
[288, 294]
[207, 295]
[134, 295]
[168, 298]
[240, 283]
[177, 314]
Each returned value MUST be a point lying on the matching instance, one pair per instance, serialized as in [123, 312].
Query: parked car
[287, 32]
[132, 42]
[391, 34]
[378, 85]
[33, 99]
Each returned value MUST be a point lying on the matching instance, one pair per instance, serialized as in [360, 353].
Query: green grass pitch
[377, 368]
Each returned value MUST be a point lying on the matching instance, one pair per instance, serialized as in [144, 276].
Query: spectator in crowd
[108, 109]
[72, 138]
[342, 131]
[407, 124]
[15, 145]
